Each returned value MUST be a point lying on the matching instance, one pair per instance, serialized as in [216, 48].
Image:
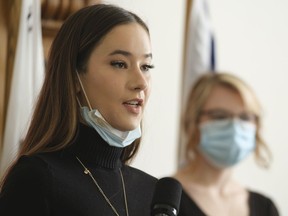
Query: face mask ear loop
[90, 107]
[78, 102]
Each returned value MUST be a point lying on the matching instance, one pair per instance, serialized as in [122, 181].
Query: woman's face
[224, 142]
[117, 80]
[224, 103]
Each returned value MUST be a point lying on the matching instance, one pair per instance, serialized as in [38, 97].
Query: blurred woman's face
[225, 103]
[227, 129]
[117, 80]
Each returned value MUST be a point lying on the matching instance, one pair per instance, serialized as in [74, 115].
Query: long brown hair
[56, 116]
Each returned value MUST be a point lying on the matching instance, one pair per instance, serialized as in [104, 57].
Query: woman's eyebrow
[126, 53]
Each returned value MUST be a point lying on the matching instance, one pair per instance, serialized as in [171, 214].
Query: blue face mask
[224, 143]
[111, 135]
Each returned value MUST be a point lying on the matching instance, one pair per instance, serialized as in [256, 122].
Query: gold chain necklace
[87, 172]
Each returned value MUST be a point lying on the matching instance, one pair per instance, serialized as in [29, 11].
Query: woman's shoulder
[258, 197]
[28, 169]
[141, 175]
[137, 178]
[188, 206]
[28, 176]
[260, 202]
[33, 169]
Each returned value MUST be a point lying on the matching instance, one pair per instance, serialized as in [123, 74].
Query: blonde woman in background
[222, 125]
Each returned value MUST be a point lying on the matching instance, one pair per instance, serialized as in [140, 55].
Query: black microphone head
[167, 197]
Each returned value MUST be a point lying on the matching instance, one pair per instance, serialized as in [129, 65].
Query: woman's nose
[138, 81]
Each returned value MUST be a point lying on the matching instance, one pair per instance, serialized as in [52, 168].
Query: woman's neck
[199, 174]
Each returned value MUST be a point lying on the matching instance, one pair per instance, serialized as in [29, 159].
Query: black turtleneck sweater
[54, 184]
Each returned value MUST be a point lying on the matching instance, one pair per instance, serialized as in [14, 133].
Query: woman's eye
[219, 116]
[147, 67]
[119, 64]
[248, 117]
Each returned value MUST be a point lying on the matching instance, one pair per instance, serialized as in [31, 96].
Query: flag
[26, 81]
[200, 49]
[199, 55]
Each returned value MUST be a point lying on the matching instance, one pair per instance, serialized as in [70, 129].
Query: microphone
[166, 198]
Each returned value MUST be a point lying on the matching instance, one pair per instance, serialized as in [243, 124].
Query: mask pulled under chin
[111, 135]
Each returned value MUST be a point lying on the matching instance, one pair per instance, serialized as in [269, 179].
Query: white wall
[252, 42]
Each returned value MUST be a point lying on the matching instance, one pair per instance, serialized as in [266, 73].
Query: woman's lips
[134, 106]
